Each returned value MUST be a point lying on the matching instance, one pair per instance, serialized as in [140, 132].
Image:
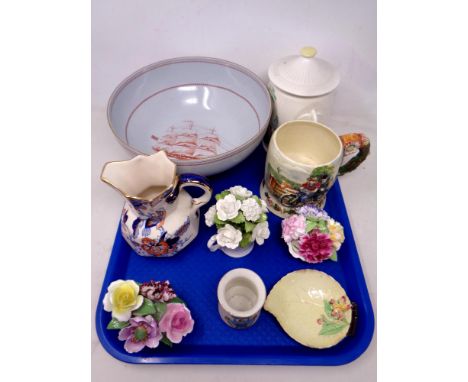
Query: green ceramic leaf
[322, 225]
[222, 194]
[146, 308]
[249, 226]
[177, 300]
[330, 328]
[334, 256]
[313, 223]
[327, 307]
[246, 238]
[160, 308]
[310, 225]
[238, 219]
[218, 221]
[238, 226]
[115, 324]
[166, 341]
[257, 199]
[263, 218]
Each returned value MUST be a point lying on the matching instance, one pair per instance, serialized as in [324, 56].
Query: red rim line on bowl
[195, 59]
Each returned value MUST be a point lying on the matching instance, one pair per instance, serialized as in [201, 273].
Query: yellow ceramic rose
[336, 233]
[122, 298]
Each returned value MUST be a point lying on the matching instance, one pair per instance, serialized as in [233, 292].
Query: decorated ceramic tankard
[303, 161]
[159, 217]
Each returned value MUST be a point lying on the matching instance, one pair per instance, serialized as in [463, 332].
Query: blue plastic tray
[195, 273]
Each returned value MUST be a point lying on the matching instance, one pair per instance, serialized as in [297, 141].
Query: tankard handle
[194, 180]
[356, 148]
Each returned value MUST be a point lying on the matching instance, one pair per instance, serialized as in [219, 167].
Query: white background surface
[130, 34]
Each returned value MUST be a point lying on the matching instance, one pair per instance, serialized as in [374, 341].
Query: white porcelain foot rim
[238, 252]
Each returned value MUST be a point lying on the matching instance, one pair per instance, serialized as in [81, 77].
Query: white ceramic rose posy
[241, 220]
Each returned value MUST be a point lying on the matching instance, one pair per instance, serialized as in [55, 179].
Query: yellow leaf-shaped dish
[311, 307]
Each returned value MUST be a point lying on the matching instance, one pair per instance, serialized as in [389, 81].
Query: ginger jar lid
[304, 75]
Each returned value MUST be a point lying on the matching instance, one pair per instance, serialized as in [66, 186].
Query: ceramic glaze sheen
[304, 158]
[196, 273]
[207, 114]
[302, 88]
[288, 107]
[241, 295]
[311, 307]
[159, 217]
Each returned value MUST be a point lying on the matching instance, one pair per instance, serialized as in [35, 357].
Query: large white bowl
[207, 114]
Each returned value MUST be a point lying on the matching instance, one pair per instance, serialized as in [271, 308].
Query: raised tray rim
[259, 359]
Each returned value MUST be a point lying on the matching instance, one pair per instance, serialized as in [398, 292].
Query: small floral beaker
[241, 295]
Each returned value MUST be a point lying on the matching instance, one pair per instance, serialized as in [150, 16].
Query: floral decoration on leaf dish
[147, 314]
[334, 320]
[240, 218]
[312, 235]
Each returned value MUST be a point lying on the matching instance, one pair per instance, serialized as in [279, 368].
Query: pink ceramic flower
[293, 227]
[176, 322]
[143, 331]
[315, 247]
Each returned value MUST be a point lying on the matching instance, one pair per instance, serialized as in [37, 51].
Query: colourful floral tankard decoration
[146, 314]
[312, 235]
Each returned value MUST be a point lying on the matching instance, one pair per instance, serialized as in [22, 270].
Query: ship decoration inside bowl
[312, 235]
[241, 220]
[147, 314]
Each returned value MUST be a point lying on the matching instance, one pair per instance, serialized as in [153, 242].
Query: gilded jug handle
[356, 148]
[193, 180]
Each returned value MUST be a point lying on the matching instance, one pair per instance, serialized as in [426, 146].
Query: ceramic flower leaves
[240, 218]
[147, 314]
[334, 320]
[312, 235]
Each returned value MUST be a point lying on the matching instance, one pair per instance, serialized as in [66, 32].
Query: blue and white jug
[159, 217]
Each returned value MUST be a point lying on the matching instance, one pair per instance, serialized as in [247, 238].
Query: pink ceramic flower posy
[176, 322]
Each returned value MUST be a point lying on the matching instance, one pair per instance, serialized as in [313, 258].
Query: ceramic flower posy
[240, 218]
[312, 235]
[147, 314]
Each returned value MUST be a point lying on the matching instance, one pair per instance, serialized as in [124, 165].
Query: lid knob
[308, 52]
